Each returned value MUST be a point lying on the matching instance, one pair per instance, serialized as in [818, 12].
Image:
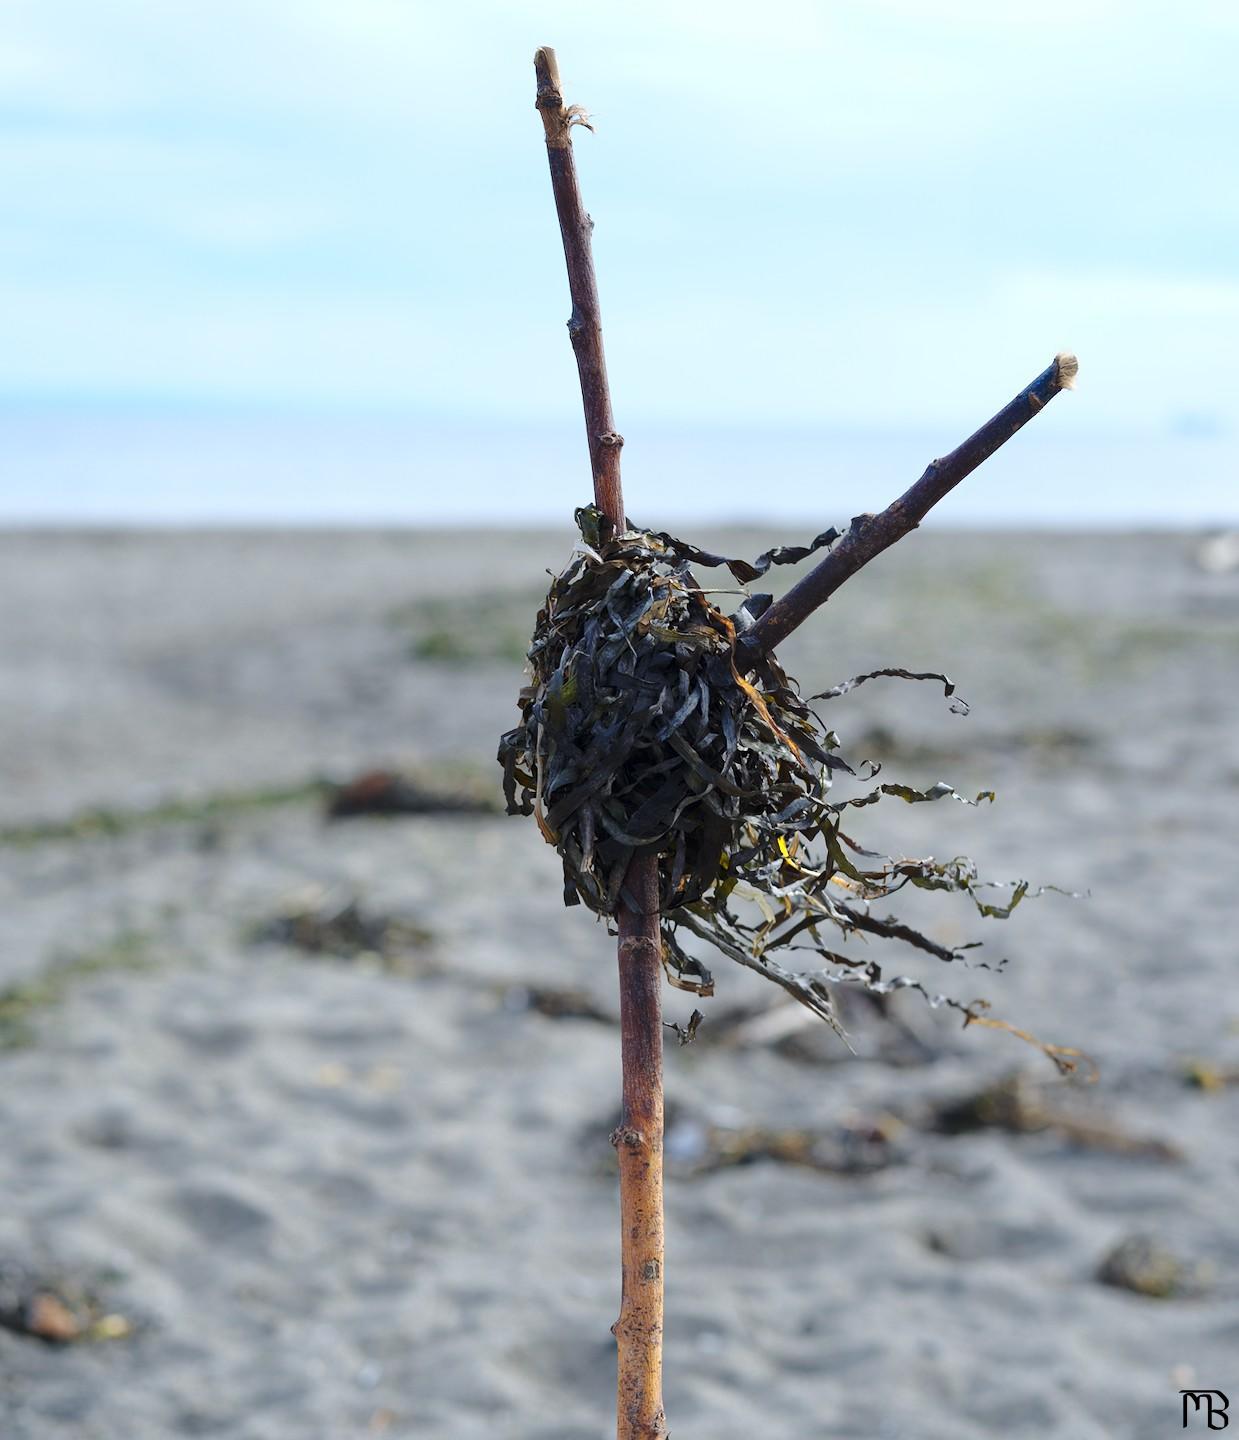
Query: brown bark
[639, 1145]
[869, 535]
[585, 322]
[639, 1137]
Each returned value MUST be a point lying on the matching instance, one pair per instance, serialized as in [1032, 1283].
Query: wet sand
[344, 1196]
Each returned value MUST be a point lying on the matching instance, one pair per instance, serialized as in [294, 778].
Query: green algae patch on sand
[25, 1001]
[105, 821]
[469, 629]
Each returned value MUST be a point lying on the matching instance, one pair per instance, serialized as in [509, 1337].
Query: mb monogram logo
[1208, 1405]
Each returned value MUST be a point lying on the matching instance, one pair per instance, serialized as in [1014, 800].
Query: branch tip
[870, 535]
[557, 118]
[1068, 368]
[546, 65]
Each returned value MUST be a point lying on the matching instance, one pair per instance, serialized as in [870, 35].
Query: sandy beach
[305, 1121]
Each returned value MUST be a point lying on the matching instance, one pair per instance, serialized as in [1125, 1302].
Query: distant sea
[104, 467]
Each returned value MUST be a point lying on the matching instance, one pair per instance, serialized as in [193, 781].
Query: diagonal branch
[869, 535]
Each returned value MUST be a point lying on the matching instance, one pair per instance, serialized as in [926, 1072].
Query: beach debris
[860, 1148]
[1011, 1103]
[642, 734]
[875, 1029]
[382, 1079]
[1208, 1075]
[1218, 554]
[694, 1144]
[1143, 1265]
[320, 924]
[52, 1306]
[392, 792]
[554, 1002]
[1019, 1106]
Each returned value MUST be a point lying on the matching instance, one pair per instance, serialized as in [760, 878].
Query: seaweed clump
[646, 728]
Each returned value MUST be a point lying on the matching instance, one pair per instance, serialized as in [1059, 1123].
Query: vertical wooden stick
[639, 1144]
[638, 1139]
[585, 322]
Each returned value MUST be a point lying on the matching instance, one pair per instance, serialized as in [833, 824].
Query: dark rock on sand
[1143, 1265]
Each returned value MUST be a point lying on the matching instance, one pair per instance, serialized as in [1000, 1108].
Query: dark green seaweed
[640, 733]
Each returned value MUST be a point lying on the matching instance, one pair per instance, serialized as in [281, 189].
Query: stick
[585, 322]
[869, 535]
[639, 1145]
[638, 1140]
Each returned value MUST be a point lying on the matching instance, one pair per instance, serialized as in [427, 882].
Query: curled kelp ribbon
[640, 733]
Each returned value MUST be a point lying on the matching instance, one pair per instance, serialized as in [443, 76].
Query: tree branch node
[640, 947]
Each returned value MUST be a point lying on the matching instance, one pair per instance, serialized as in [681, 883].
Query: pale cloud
[801, 211]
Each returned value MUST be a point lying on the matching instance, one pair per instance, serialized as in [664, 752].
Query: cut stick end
[557, 119]
[1068, 368]
[546, 65]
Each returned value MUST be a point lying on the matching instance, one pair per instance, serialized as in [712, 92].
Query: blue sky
[876, 216]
